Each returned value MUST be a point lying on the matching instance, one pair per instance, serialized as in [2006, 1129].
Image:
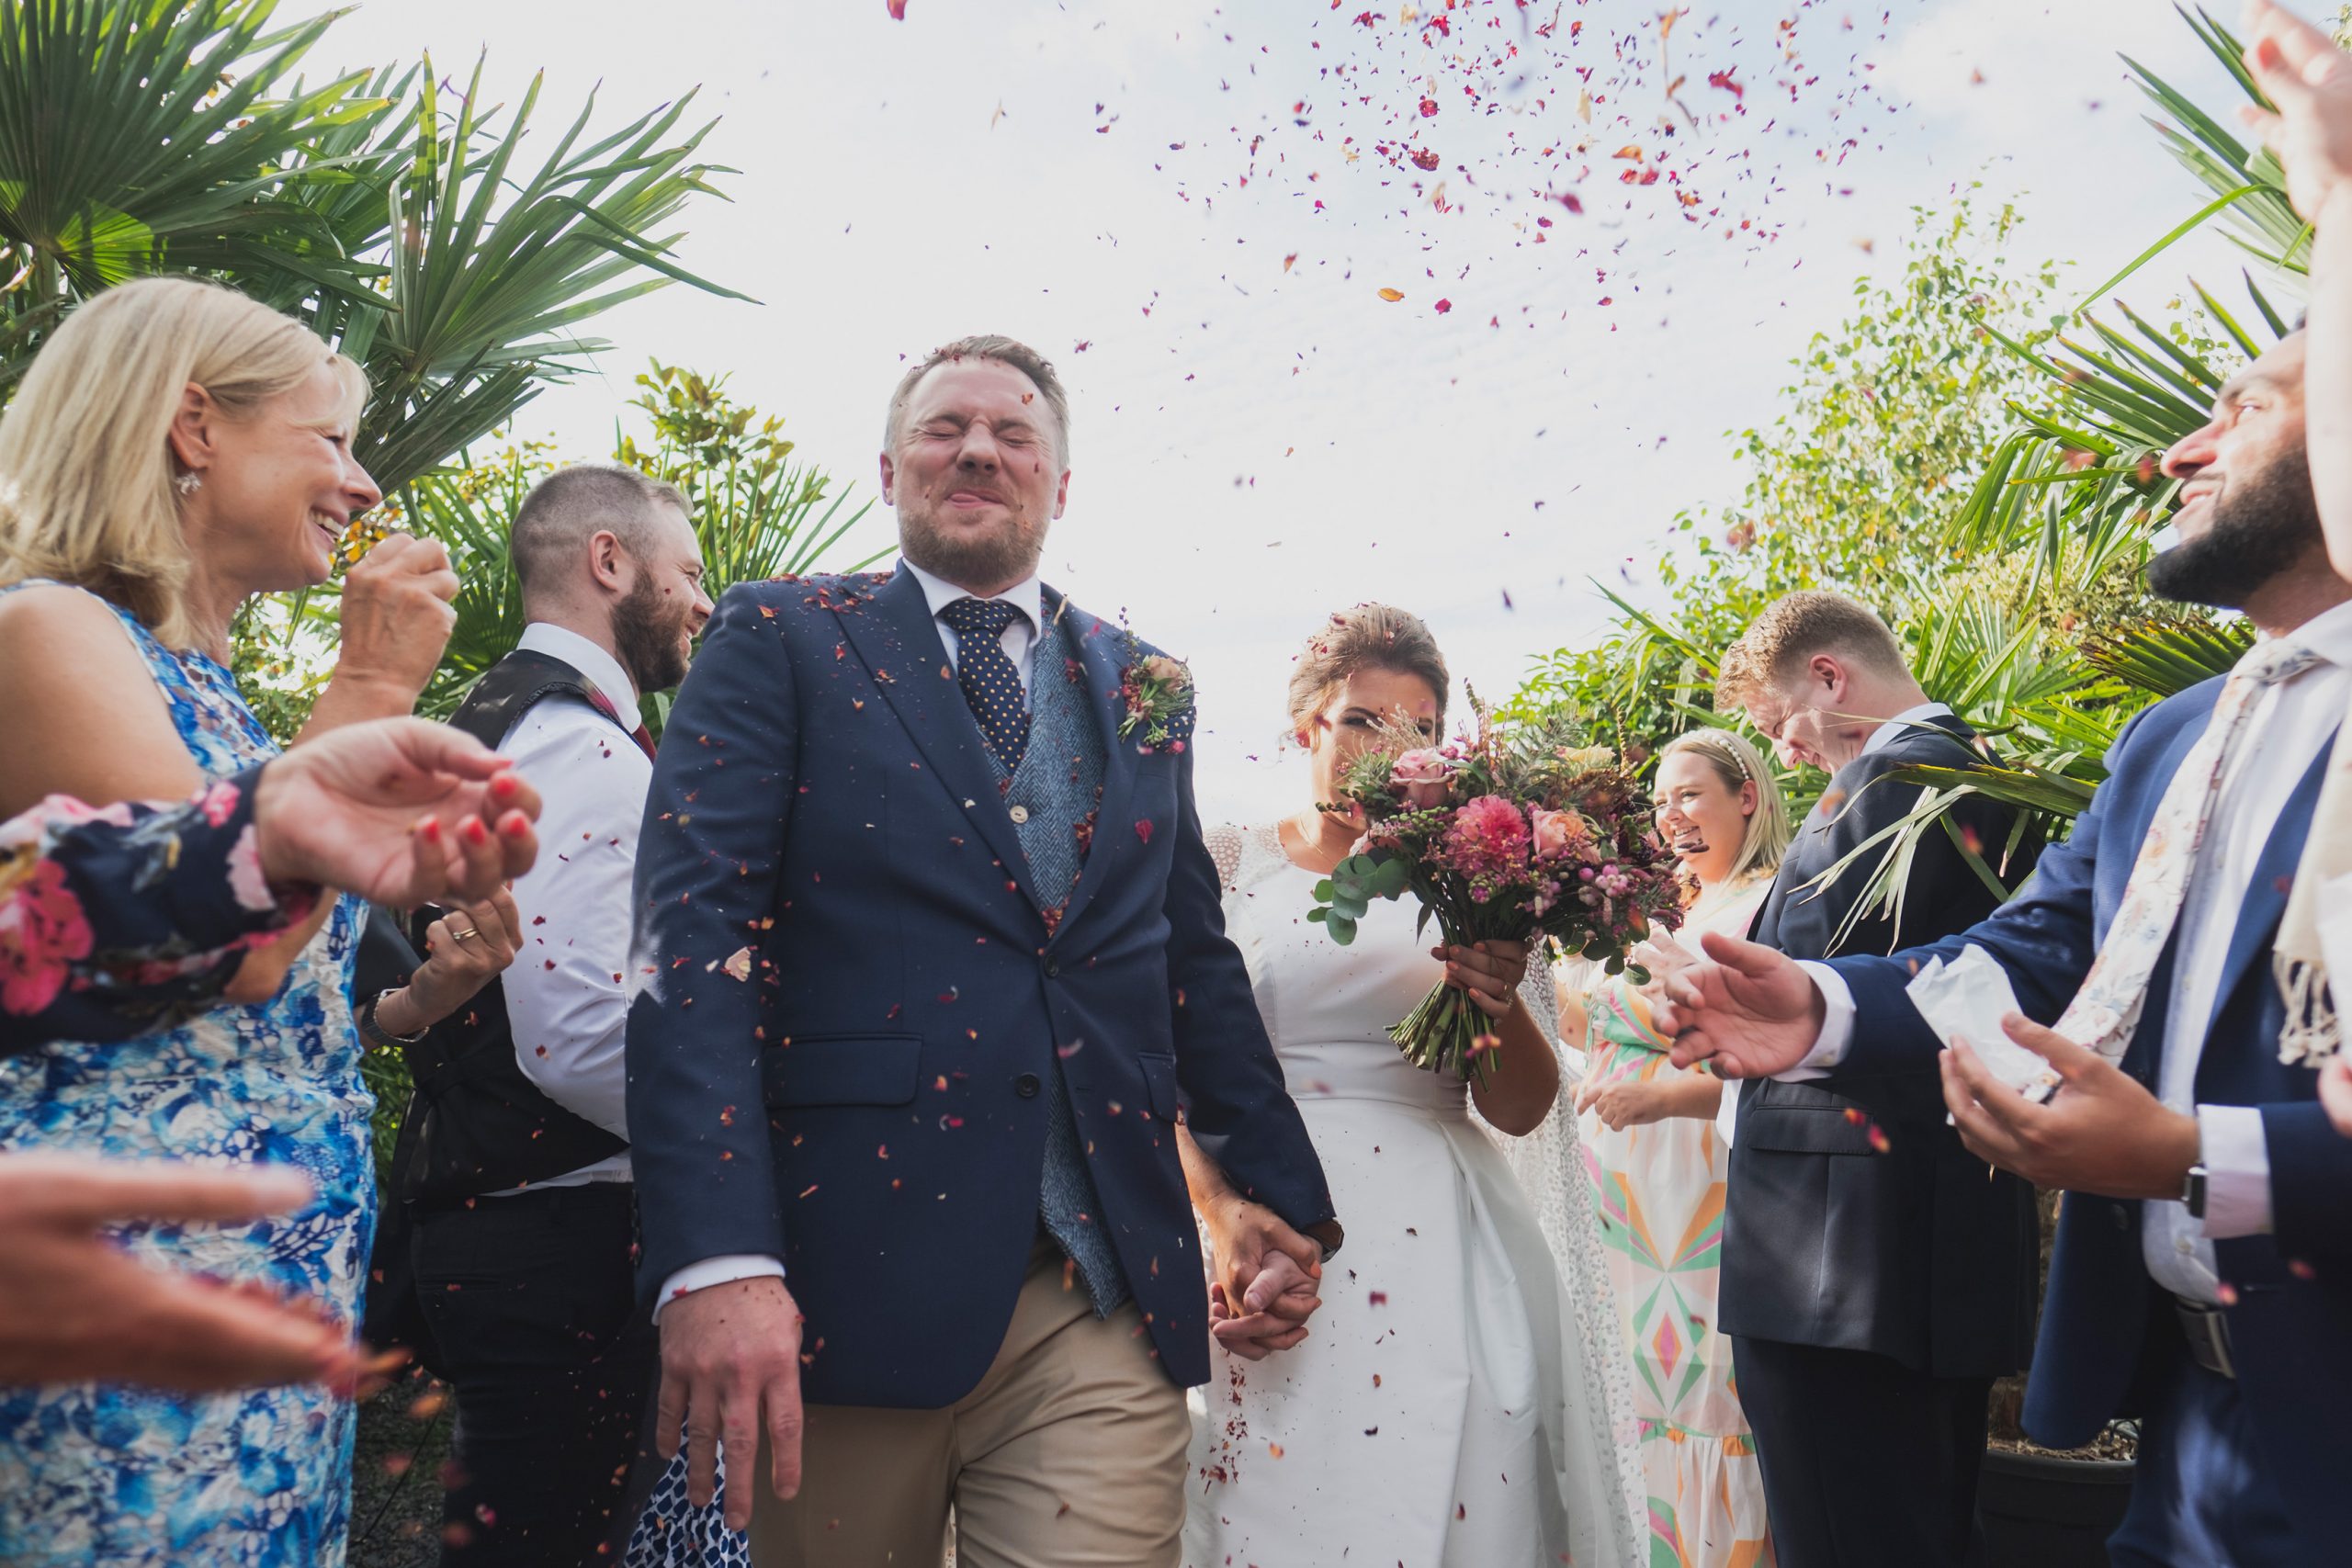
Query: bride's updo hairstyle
[1370, 636]
[86, 493]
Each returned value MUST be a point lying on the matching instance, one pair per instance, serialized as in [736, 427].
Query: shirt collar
[2329, 635]
[558, 642]
[1902, 723]
[1028, 595]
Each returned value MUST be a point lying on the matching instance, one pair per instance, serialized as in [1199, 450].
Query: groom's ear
[1061, 494]
[889, 474]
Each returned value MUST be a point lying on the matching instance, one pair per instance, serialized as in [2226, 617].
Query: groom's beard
[1008, 554]
[2262, 525]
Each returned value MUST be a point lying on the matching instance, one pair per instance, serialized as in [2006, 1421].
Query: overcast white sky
[1257, 445]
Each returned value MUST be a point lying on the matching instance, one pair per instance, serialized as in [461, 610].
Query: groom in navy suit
[2203, 1271]
[929, 961]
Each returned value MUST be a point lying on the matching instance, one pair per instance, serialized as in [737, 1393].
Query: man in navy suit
[2202, 1270]
[929, 961]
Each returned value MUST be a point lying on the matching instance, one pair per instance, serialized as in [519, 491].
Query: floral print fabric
[115, 919]
[91, 1474]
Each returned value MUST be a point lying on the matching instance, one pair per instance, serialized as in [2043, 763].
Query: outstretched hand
[2300, 69]
[1749, 1010]
[74, 1307]
[399, 810]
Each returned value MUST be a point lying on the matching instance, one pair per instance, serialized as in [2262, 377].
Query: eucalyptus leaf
[1343, 931]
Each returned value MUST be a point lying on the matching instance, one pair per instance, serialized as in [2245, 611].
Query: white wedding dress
[1456, 1404]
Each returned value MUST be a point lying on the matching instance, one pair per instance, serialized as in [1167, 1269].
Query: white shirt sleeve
[565, 999]
[724, 1269]
[2236, 1157]
[1836, 1025]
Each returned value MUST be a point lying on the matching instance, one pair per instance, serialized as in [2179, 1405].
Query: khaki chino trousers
[1069, 1454]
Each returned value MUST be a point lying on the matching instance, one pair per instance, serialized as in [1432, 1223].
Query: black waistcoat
[478, 1124]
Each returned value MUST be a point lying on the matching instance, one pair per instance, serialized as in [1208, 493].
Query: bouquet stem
[1444, 1034]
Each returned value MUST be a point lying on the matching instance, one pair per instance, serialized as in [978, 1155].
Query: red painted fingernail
[513, 824]
[476, 834]
[505, 786]
[432, 830]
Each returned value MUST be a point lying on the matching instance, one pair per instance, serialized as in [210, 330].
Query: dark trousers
[530, 1302]
[2201, 1496]
[1866, 1462]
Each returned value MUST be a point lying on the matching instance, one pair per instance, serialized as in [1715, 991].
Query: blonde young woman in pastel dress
[1449, 1404]
[1656, 1160]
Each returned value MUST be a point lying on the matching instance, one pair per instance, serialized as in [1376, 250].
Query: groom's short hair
[1004, 351]
[1793, 628]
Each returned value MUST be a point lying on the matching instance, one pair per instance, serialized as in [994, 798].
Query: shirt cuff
[724, 1269]
[1836, 1025]
[2231, 1147]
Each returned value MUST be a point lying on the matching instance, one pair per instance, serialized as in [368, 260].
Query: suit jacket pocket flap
[842, 1069]
[1160, 1078]
[1801, 1130]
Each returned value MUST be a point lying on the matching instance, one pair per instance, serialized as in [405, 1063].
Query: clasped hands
[1754, 1012]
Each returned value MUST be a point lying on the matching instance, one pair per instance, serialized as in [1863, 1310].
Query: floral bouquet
[1522, 836]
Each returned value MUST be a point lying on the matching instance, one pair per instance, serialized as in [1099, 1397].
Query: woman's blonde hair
[86, 494]
[1735, 762]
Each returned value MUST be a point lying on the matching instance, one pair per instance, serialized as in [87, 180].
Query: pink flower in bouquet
[1487, 841]
[1422, 777]
[1559, 833]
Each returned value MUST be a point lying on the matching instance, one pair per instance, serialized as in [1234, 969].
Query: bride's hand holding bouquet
[1520, 836]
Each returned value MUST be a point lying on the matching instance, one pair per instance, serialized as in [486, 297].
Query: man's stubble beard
[649, 635]
[2265, 525]
[1004, 556]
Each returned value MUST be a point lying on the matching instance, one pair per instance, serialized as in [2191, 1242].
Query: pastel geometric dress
[1659, 1193]
[93, 1474]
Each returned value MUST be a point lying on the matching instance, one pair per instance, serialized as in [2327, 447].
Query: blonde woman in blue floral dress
[174, 450]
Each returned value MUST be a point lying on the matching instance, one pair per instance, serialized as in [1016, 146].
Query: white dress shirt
[2290, 724]
[565, 1000]
[1028, 596]
[1020, 639]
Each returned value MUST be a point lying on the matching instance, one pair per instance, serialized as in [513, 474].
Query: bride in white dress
[1450, 1403]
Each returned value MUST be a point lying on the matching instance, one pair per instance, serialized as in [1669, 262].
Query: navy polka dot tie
[992, 686]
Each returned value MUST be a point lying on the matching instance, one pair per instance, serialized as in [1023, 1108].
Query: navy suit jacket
[848, 996]
[2104, 1321]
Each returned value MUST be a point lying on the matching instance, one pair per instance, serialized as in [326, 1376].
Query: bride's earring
[187, 484]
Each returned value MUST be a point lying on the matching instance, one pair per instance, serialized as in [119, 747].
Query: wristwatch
[2192, 1193]
[375, 1034]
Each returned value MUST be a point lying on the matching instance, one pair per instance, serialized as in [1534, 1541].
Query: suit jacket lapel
[894, 633]
[2274, 874]
[1102, 655]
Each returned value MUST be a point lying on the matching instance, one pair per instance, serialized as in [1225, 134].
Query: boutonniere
[1157, 692]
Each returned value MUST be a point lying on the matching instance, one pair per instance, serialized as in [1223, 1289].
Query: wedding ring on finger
[459, 933]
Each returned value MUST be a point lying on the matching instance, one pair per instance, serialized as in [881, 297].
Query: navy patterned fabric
[1056, 790]
[991, 684]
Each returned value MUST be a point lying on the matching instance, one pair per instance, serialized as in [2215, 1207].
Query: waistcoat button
[1025, 1086]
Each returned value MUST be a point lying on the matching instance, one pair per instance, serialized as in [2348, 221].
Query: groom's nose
[980, 449]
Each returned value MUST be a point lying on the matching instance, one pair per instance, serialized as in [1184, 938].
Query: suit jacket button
[1019, 814]
[2122, 1220]
[1053, 967]
[1025, 1086]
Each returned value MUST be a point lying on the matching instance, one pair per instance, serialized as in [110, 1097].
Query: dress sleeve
[1225, 848]
[118, 920]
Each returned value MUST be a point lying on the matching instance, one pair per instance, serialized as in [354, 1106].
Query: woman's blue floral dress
[91, 1474]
